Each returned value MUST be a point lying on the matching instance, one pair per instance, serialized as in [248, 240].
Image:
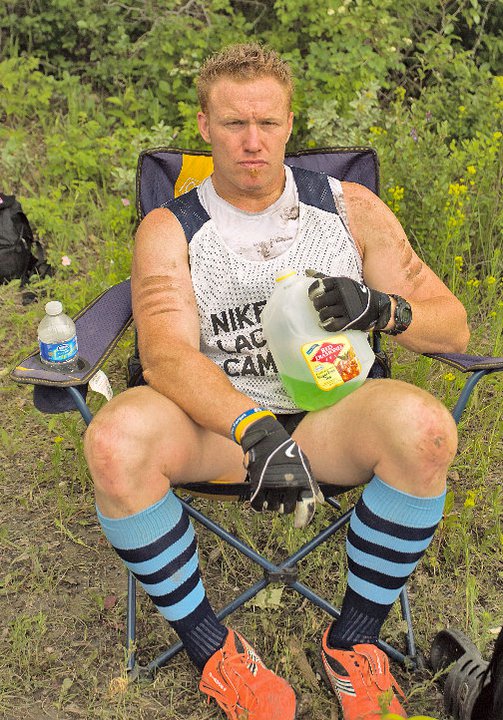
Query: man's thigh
[373, 430]
[161, 438]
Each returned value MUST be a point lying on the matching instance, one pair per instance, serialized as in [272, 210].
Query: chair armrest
[468, 363]
[100, 326]
[477, 365]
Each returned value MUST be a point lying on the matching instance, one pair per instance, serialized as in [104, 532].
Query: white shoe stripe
[345, 686]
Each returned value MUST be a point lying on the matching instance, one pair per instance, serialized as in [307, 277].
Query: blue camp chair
[162, 174]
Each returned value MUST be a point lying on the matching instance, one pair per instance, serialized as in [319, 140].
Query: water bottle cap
[54, 307]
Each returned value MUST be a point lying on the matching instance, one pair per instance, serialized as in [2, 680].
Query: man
[197, 264]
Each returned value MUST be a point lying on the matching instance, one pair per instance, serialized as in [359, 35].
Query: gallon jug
[317, 367]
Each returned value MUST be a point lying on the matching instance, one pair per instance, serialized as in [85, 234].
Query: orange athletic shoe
[362, 681]
[244, 688]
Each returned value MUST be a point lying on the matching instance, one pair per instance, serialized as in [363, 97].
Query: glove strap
[245, 419]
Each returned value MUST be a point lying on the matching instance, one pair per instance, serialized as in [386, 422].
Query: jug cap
[286, 275]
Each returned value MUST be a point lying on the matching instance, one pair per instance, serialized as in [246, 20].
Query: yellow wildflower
[396, 192]
[471, 496]
[457, 189]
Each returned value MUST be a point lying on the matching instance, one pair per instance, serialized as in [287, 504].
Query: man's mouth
[253, 164]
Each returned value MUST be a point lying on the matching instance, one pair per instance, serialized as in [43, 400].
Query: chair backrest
[164, 173]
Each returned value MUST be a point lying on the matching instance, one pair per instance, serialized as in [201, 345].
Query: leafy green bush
[83, 89]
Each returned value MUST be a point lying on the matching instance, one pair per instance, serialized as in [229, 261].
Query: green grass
[62, 594]
[62, 650]
[62, 589]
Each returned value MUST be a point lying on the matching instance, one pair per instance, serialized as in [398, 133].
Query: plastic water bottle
[317, 367]
[57, 338]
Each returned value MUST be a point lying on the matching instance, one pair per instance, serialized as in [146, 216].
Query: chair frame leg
[284, 573]
[467, 391]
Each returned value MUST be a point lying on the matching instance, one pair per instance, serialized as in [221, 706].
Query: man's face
[248, 125]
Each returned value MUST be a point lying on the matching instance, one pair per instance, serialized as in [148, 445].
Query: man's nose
[252, 138]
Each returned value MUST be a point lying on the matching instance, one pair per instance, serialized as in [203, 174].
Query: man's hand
[279, 472]
[344, 304]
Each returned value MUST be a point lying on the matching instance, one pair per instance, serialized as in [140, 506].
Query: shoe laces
[234, 668]
[374, 668]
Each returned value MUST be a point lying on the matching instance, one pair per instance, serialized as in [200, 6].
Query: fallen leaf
[109, 602]
[269, 597]
[66, 685]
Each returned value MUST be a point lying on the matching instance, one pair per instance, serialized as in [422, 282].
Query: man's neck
[250, 199]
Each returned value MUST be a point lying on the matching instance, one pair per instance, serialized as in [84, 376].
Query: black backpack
[17, 244]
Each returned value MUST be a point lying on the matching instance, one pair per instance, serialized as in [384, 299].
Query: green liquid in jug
[308, 397]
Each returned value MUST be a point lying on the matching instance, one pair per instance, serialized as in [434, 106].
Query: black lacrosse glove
[278, 472]
[344, 304]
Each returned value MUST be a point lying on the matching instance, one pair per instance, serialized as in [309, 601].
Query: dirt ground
[63, 590]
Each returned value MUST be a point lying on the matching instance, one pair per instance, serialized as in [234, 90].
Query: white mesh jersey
[259, 235]
[231, 290]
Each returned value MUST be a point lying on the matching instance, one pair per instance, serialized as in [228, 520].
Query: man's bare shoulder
[160, 248]
[371, 221]
[163, 299]
[158, 220]
[357, 196]
[161, 234]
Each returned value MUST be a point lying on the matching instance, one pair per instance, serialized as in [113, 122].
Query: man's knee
[110, 442]
[425, 429]
[138, 439]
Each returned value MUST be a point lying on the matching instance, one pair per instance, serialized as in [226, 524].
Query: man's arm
[391, 266]
[166, 317]
[167, 321]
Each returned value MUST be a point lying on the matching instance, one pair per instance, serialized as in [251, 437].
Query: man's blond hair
[244, 61]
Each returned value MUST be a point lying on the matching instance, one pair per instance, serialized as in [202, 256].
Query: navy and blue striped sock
[389, 532]
[159, 546]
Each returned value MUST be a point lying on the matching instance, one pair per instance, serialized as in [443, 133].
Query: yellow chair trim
[195, 169]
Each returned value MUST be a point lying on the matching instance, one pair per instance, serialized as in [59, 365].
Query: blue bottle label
[59, 352]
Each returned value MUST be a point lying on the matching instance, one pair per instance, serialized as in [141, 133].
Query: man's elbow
[459, 341]
[454, 338]
[462, 341]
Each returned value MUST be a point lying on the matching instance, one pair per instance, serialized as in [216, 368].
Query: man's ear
[290, 126]
[203, 125]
